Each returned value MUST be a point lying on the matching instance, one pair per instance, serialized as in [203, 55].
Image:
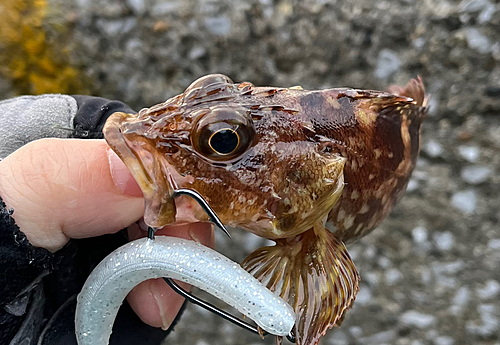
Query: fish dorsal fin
[414, 89]
[314, 273]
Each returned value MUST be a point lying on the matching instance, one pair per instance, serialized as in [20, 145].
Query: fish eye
[223, 134]
[224, 141]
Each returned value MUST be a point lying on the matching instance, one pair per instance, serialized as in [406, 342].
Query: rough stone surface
[475, 174]
[430, 271]
[413, 318]
[465, 201]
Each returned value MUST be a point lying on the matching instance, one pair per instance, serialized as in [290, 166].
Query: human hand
[68, 188]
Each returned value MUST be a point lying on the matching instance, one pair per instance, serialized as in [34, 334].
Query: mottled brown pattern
[381, 155]
[300, 158]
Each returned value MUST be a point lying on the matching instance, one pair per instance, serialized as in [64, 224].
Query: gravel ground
[430, 272]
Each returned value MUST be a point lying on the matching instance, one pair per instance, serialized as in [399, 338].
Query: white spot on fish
[373, 221]
[365, 208]
[354, 165]
[354, 195]
[385, 199]
[333, 102]
[341, 215]
[348, 222]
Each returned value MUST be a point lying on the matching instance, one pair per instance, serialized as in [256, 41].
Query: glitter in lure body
[187, 261]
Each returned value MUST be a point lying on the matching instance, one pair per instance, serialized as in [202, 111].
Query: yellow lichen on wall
[35, 63]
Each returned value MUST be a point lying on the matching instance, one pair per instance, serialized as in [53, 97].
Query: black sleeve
[20, 261]
[22, 266]
[92, 114]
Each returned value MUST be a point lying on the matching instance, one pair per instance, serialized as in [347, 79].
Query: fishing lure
[184, 260]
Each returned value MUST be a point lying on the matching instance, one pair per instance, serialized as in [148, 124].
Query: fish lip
[146, 166]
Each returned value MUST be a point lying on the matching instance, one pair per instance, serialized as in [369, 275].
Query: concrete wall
[430, 273]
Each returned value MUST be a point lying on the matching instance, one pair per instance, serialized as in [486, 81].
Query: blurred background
[430, 274]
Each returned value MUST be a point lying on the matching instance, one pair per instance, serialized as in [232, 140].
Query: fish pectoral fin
[314, 274]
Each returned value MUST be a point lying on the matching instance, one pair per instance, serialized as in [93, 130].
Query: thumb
[68, 188]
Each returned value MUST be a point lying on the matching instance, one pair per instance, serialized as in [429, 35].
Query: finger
[153, 300]
[68, 188]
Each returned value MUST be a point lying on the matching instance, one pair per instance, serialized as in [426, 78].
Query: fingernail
[122, 177]
[165, 315]
[204, 229]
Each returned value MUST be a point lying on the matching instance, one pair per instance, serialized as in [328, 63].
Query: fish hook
[195, 300]
[213, 309]
[204, 205]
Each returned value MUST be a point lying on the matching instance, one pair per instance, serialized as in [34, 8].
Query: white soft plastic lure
[187, 261]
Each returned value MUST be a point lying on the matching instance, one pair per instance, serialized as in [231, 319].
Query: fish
[310, 170]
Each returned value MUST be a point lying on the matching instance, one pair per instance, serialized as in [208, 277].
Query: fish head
[249, 154]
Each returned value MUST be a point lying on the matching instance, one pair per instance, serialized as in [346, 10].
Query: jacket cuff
[92, 114]
[23, 265]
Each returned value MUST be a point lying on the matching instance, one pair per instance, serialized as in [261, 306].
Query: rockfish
[309, 170]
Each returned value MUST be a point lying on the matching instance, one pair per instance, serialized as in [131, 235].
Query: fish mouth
[157, 179]
[146, 166]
